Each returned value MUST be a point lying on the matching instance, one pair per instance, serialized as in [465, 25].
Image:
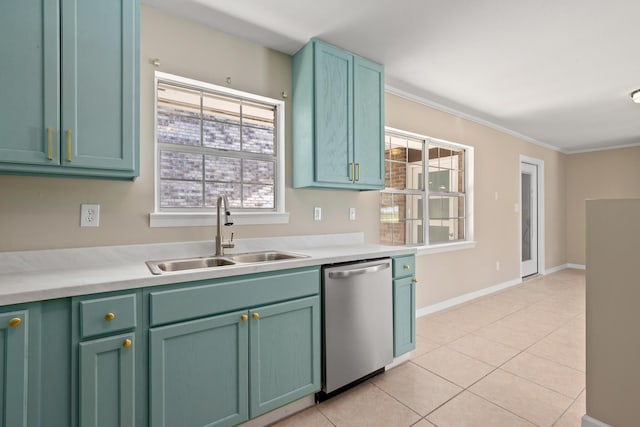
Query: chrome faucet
[220, 243]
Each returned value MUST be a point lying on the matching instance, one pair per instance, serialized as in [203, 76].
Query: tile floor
[513, 358]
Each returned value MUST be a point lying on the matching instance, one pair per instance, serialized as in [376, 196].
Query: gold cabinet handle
[15, 322]
[50, 143]
[244, 317]
[358, 172]
[68, 145]
[109, 317]
[353, 172]
[407, 267]
[255, 316]
[126, 343]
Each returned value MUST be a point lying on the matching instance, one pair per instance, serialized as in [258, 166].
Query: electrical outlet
[352, 214]
[317, 213]
[89, 215]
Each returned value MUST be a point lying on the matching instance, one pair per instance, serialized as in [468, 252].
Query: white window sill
[445, 247]
[198, 219]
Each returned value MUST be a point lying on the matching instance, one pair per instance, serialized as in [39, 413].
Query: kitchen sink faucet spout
[220, 243]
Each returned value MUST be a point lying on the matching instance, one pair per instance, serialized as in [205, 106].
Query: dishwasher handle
[348, 273]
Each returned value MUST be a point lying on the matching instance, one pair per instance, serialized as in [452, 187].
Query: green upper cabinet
[70, 88]
[338, 119]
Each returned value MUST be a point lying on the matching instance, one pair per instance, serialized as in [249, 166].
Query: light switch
[317, 213]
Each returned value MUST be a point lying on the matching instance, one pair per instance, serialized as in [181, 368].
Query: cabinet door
[285, 353]
[334, 115]
[99, 84]
[30, 82]
[13, 368]
[198, 373]
[107, 382]
[368, 123]
[404, 316]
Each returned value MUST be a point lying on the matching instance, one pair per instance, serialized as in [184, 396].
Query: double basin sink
[211, 262]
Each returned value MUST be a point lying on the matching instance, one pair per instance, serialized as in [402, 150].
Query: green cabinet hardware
[70, 88]
[338, 119]
[404, 305]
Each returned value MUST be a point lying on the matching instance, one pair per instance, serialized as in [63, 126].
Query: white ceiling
[557, 73]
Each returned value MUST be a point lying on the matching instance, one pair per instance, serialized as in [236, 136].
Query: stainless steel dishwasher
[357, 321]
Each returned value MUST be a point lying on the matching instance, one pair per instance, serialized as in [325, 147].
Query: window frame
[205, 216]
[428, 247]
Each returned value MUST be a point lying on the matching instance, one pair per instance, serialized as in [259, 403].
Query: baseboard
[556, 268]
[577, 266]
[587, 421]
[466, 297]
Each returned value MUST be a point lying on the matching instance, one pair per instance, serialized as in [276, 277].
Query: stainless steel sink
[168, 266]
[159, 267]
[265, 256]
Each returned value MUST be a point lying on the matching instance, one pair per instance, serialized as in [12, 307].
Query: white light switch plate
[352, 214]
[317, 213]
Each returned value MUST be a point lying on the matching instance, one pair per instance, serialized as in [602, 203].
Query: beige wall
[497, 170]
[613, 347]
[40, 213]
[594, 175]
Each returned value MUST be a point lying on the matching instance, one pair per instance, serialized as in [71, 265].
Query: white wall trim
[588, 421]
[557, 268]
[612, 147]
[466, 297]
[198, 219]
[424, 101]
[541, 218]
[577, 266]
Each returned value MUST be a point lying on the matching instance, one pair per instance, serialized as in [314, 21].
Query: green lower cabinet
[14, 368]
[107, 381]
[198, 372]
[285, 353]
[404, 317]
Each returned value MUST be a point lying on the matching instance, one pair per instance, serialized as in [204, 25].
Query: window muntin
[413, 212]
[211, 140]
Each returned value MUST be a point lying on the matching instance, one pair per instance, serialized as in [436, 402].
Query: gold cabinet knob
[255, 316]
[244, 317]
[407, 267]
[126, 343]
[109, 317]
[414, 280]
[15, 322]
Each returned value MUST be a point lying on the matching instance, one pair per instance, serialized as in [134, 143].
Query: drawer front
[105, 315]
[404, 266]
[191, 302]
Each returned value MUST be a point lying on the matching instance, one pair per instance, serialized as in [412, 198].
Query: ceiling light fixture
[635, 95]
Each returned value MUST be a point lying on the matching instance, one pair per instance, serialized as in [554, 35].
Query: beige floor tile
[547, 373]
[510, 337]
[573, 416]
[311, 417]
[562, 304]
[423, 345]
[453, 366]
[423, 423]
[469, 410]
[438, 332]
[471, 317]
[531, 401]
[565, 353]
[416, 387]
[367, 405]
[490, 352]
[532, 320]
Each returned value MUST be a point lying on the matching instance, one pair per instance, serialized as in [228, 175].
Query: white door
[529, 217]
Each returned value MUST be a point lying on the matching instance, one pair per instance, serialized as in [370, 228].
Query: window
[418, 211]
[212, 140]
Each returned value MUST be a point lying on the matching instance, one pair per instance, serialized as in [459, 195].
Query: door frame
[540, 212]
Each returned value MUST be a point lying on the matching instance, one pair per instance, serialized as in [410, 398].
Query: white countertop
[40, 275]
